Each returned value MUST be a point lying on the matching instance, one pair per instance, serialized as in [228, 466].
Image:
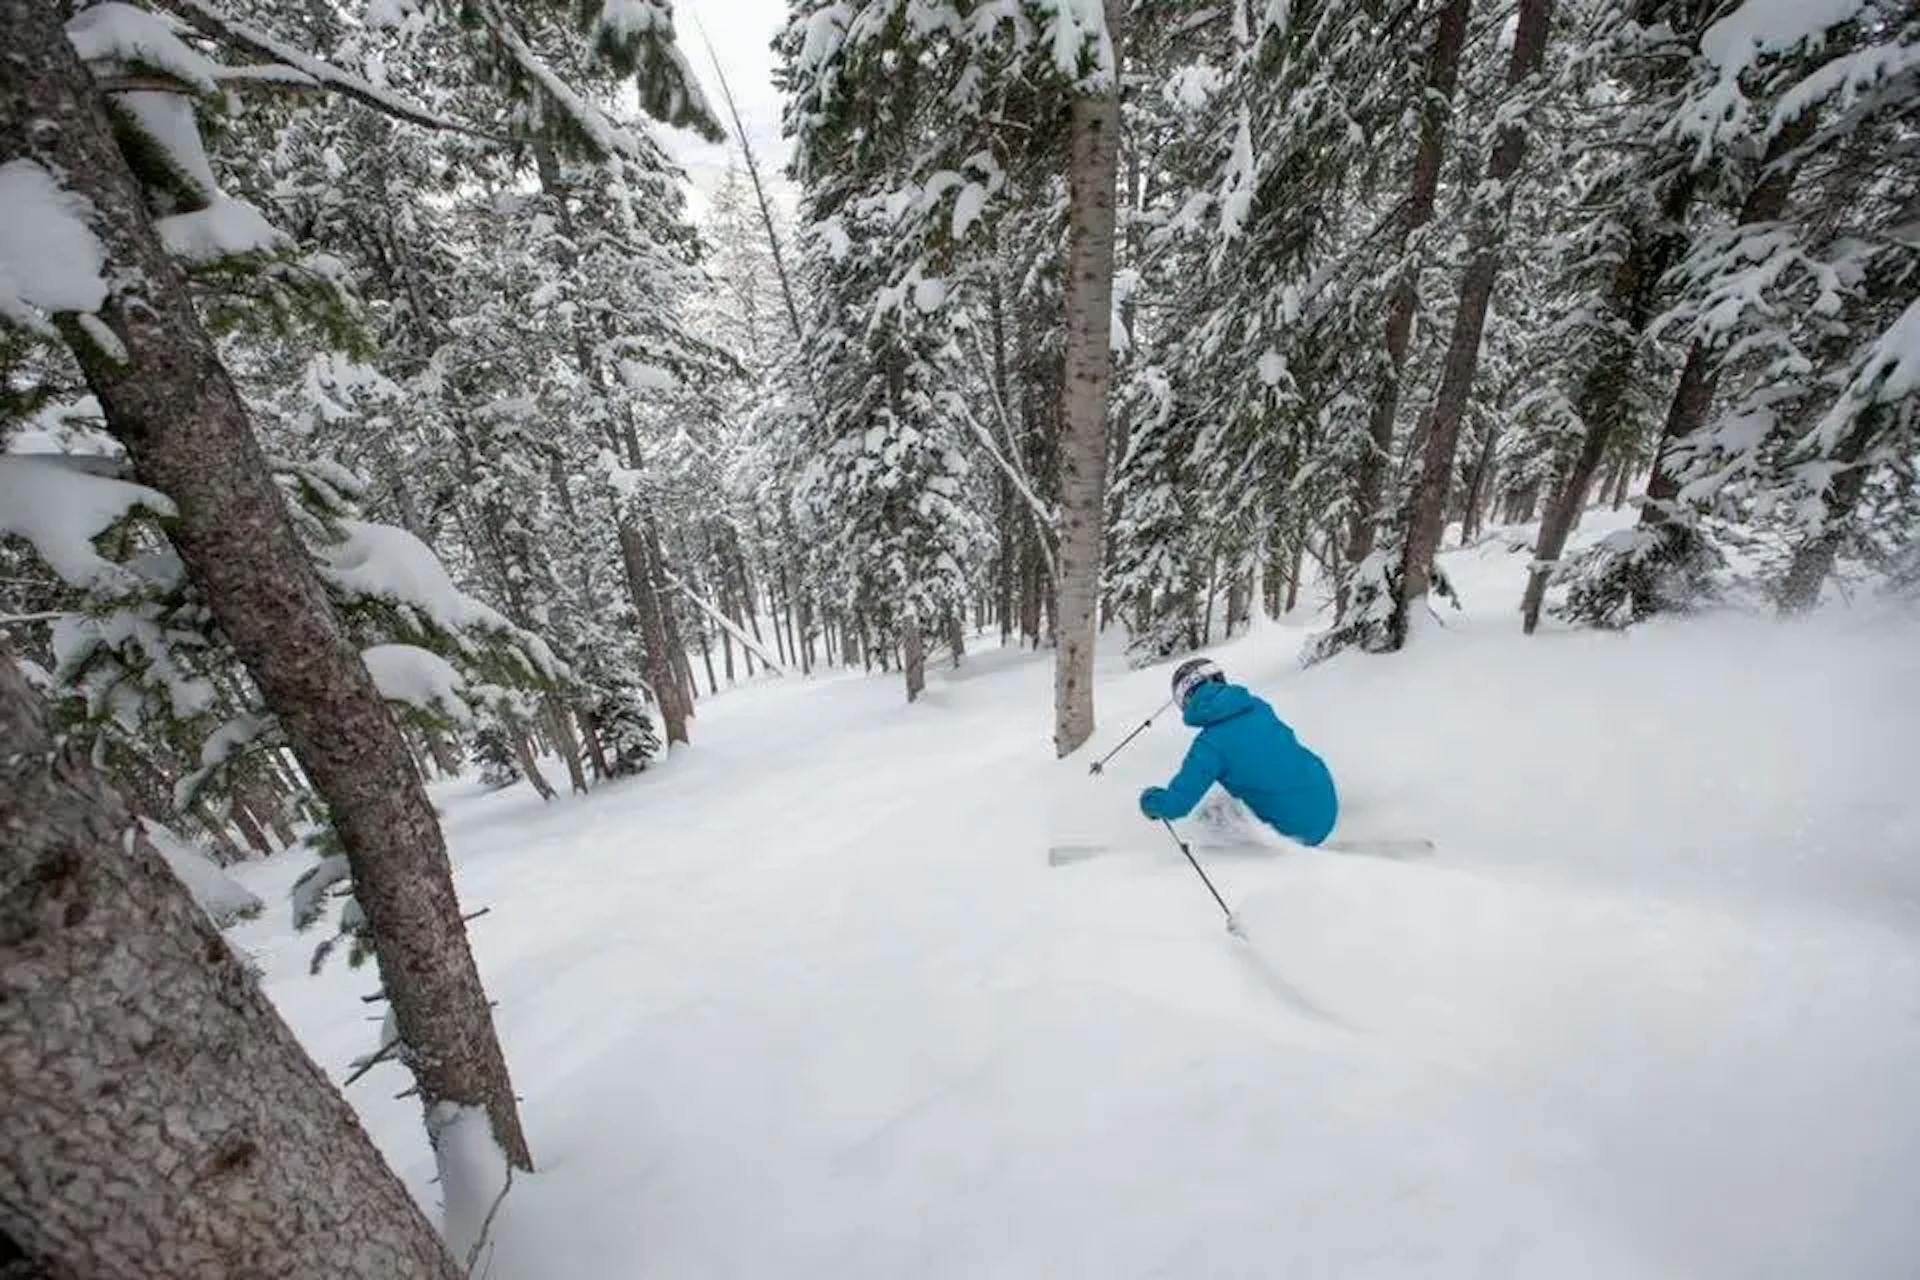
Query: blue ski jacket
[1254, 756]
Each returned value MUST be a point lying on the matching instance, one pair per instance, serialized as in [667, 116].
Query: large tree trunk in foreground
[160, 1120]
[1089, 365]
[171, 403]
[1427, 518]
[1443, 74]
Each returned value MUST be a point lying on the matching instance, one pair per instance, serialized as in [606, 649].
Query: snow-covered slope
[809, 1001]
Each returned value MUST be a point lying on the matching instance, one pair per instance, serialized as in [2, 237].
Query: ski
[1391, 847]
[1394, 848]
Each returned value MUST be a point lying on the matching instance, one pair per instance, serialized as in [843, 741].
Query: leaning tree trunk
[1427, 518]
[1442, 75]
[1089, 364]
[170, 402]
[1602, 399]
[161, 1121]
[1660, 514]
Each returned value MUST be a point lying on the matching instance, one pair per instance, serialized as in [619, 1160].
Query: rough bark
[1442, 76]
[1095, 125]
[173, 406]
[1426, 519]
[161, 1122]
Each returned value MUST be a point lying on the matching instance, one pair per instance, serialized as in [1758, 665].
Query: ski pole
[1233, 925]
[1099, 765]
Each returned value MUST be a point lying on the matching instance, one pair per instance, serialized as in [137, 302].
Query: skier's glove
[1150, 802]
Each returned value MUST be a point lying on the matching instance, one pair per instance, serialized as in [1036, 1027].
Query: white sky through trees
[741, 32]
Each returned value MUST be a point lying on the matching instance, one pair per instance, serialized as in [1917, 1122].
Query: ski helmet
[1193, 673]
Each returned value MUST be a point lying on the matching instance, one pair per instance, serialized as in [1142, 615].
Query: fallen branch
[726, 622]
[486, 1223]
[374, 1059]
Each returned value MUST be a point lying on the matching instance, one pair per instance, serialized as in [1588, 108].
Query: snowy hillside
[810, 1001]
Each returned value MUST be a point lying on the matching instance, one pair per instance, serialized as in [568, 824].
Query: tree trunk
[706, 660]
[1004, 575]
[676, 647]
[913, 656]
[161, 1122]
[1622, 483]
[956, 636]
[1425, 520]
[560, 725]
[171, 403]
[590, 735]
[250, 829]
[1095, 125]
[1442, 75]
[1601, 400]
[520, 738]
[1813, 559]
[1477, 486]
[646, 602]
[1700, 381]
[445, 757]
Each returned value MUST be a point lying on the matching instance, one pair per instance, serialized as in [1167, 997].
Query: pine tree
[287, 1182]
[165, 395]
[1426, 515]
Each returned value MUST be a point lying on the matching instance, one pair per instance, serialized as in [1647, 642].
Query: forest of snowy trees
[374, 410]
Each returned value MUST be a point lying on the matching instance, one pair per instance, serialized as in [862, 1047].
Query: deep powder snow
[809, 1001]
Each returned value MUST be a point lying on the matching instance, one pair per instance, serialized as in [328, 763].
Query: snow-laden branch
[233, 32]
[609, 137]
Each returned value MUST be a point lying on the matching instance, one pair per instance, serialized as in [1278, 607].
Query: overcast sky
[741, 31]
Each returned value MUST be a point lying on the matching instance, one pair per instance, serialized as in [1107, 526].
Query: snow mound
[810, 1001]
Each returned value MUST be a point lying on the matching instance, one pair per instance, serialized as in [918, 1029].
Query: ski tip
[1060, 855]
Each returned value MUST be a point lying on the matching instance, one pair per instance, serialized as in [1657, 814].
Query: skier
[1251, 753]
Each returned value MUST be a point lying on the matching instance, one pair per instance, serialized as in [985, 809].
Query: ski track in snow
[808, 1000]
